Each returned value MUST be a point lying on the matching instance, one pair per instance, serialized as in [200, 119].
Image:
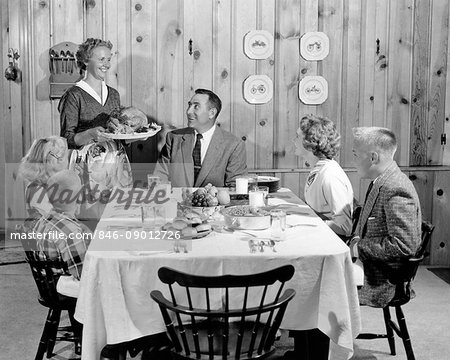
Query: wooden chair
[403, 276]
[210, 333]
[45, 276]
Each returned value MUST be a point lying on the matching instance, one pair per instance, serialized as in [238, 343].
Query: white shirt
[86, 87]
[207, 136]
[329, 193]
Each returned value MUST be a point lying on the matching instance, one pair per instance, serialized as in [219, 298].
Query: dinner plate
[134, 136]
[314, 46]
[272, 182]
[258, 44]
[313, 90]
[258, 89]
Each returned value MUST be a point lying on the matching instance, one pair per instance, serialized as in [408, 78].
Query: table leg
[308, 345]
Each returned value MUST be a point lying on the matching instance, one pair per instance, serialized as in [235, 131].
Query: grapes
[202, 197]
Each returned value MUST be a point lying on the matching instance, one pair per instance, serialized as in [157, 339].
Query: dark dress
[103, 165]
[80, 111]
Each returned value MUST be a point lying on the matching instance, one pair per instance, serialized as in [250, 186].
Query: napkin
[358, 272]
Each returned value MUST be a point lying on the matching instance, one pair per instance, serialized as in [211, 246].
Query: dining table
[121, 266]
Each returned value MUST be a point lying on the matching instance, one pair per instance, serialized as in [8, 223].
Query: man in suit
[202, 153]
[389, 227]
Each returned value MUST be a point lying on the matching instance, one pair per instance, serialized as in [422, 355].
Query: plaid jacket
[63, 238]
[390, 230]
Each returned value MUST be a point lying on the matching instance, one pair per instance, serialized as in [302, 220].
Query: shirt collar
[207, 135]
[86, 87]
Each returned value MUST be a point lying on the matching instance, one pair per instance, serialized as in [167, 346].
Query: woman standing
[328, 190]
[84, 112]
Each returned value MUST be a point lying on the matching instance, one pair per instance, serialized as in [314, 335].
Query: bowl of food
[205, 201]
[246, 217]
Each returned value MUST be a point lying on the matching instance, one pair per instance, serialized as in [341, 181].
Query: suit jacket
[225, 159]
[390, 230]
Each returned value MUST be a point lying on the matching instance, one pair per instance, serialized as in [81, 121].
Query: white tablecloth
[114, 303]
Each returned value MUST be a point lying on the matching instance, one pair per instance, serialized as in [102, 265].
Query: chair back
[427, 231]
[240, 328]
[45, 272]
[403, 273]
[421, 253]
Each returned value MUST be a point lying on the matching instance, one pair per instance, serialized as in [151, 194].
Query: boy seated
[61, 235]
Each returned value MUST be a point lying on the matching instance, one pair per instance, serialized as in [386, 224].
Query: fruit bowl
[245, 217]
[202, 212]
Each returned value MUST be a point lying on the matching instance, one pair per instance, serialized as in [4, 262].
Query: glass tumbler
[277, 225]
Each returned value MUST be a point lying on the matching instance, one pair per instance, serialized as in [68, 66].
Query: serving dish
[248, 220]
[133, 136]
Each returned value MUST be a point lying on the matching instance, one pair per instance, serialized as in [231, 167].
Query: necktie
[196, 155]
[368, 190]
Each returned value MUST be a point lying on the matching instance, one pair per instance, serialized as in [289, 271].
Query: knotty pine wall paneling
[143, 80]
[264, 117]
[243, 116]
[440, 244]
[380, 59]
[286, 114]
[331, 22]
[12, 129]
[64, 18]
[351, 54]
[399, 81]
[171, 45]
[437, 80]
[420, 86]
[309, 22]
[222, 56]
[398, 66]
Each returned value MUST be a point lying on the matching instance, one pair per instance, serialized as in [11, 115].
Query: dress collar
[86, 87]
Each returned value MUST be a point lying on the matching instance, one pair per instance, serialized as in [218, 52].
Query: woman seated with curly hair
[328, 190]
[46, 157]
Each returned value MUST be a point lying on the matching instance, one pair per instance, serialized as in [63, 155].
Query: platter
[258, 44]
[258, 89]
[314, 46]
[313, 90]
[134, 136]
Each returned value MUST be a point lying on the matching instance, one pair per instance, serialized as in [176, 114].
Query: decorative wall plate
[258, 89]
[314, 46]
[313, 90]
[258, 44]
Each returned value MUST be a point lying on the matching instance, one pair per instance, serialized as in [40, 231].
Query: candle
[241, 185]
[256, 198]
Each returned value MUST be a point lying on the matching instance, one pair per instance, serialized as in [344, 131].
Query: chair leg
[56, 316]
[404, 333]
[44, 337]
[77, 329]
[389, 331]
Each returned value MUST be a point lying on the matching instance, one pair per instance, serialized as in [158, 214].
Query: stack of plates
[272, 182]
